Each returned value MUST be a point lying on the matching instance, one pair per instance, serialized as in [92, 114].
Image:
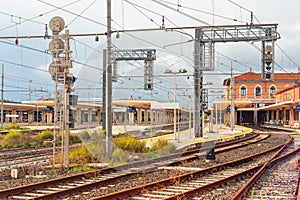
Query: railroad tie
[20, 197]
[56, 189]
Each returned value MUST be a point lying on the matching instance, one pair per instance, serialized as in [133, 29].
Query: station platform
[185, 138]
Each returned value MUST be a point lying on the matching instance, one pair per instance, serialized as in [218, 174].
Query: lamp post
[205, 97]
[181, 71]
[217, 107]
[190, 115]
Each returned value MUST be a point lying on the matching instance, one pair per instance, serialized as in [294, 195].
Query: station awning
[286, 104]
[224, 104]
[138, 103]
[21, 107]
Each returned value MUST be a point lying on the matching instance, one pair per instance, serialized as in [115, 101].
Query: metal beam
[239, 33]
[134, 54]
[230, 33]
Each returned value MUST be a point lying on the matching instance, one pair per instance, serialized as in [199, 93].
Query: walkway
[185, 138]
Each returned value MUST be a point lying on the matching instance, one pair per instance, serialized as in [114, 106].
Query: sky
[26, 64]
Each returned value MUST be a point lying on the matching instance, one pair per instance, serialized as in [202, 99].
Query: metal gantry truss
[148, 55]
[204, 52]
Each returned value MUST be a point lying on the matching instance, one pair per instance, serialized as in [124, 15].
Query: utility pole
[108, 108]
[104, 91]
[68, 88]
[2, 95]
[175, 120]
[190, 116]
[55, 120]
[29, 90]
[232, 107]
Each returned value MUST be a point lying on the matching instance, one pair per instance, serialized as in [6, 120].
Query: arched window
[272, 90]
[243, 91]
[258, 91]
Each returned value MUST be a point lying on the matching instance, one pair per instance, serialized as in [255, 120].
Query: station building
[258, 102]
[88, 113]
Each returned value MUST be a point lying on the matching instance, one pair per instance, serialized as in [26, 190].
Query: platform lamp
[180, 71]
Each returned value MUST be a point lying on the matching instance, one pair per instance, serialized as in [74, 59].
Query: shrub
[12, 139]
[118, 157]
[85, 135]
[74, 138]
[81, 155]
[45, 135]
[10, 127]
[160, 143]
[130, 144]
[31, 140]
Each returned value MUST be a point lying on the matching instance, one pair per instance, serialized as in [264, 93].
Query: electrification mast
[205, 39]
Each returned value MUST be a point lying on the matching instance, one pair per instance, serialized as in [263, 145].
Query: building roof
[224, 104]
[286, 104]
[287, 89]
[257, 77]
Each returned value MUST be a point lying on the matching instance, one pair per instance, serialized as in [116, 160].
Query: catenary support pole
[108, 85]
[232, 107]
[2, 95]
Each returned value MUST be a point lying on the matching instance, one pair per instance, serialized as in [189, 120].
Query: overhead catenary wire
[46, 52]
[32, 19]
[123, 26]
[153, 12]
[298, 66]
[205, 12]
[152, 20]
[185, 14]
[80, 14]
[73, 13]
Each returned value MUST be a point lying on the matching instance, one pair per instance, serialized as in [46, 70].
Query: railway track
[88, 181]
[101, 177]
[277, 180]
[197, 180]
[26, 157]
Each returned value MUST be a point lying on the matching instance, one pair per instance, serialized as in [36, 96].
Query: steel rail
[184, 177]
[236, 176]
[298, 188]
[255, 177]
[28, 188]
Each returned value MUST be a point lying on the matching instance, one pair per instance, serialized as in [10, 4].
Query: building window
[243, 91]
[272, 90]
[257, 91]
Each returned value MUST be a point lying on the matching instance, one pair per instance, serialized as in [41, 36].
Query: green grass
[13, 127]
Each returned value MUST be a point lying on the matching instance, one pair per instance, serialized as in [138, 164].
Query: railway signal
[59, 70]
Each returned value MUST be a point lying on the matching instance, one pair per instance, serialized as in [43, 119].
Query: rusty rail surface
[31, 187]
[298, 189]
[252, 180]
[191, 175]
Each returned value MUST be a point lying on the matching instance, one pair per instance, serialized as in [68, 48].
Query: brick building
[259, 94]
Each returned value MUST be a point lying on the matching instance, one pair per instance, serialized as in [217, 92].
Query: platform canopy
[277, 106]
[222, 105]
[138, 103]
